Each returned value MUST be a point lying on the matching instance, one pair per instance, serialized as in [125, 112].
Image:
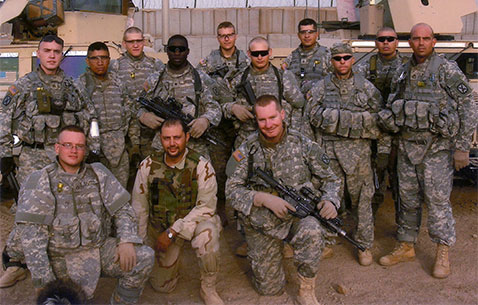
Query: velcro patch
[13, 90]
[462, 88]
[325, 158]
[238, 156]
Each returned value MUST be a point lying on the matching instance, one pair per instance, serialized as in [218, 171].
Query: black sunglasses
[261, 53]
[339, 58]
[387, 38]
[173, 49]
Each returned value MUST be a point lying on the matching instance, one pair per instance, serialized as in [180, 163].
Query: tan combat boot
[208, 289]
[441, 269]
[12, 275]
[306, 294]
[365, 257]
[327, 253]
[403, 252]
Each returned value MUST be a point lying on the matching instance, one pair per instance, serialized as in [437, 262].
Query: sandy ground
[406, 283]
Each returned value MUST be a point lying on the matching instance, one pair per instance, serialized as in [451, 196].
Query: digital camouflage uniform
[379, 71]
[113, 109]
[65, 221]
[308, 66]
[181, 86]
[132, 73]
[343, 115]
[182, 197]
[35, 109]
[221, 71]
[431, 107]
[284, 89]
[296, 161]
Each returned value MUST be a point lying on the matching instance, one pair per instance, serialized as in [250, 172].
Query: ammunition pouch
[330, 119]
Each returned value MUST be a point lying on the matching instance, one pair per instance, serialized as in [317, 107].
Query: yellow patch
[13, 90]
[238, 156]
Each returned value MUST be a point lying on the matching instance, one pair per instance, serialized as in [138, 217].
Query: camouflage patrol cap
[340, 47]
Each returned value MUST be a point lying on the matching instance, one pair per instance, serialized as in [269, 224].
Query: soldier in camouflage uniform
[35, 108]
[296, 161]
[379, 69]
[343, 108]
[65, 212]
[174, 197]
[180, 80]
[132, 69]
[264, 79]
[222, 65]
[113, 107]
[310, 62]
[431, 106]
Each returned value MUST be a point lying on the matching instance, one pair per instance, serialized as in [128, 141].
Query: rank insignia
[59, 187]
[133, 75]
[421, 84]
[238, 156]
[462, 88]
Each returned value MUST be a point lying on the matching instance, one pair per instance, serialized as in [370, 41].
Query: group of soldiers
[315, 122]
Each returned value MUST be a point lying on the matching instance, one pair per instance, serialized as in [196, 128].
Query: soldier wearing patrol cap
[342, 109]
[431, 107]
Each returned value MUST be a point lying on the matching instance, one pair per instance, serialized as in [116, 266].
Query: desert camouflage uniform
[309, 66]
[432, 108]
[167, 84]
[187, 205]
[20, 115]
[221, 71]
[267, 83]
[343, 114]
[113, 108]
[296, 161]
[132, 73]
[379, 71]
[65, 221]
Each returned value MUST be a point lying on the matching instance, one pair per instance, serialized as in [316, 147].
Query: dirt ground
[406, 283]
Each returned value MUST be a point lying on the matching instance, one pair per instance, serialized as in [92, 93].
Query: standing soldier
[181, 81]
[296, 161]
[310, 62]
[343, 107]
[113, 108]
[379, 69]
[174, 197]
[35, 108]
[262, 78]
[222, 65]
[132, 69]
[431, 107]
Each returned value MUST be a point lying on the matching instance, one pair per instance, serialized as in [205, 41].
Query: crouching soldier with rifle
[296, 161]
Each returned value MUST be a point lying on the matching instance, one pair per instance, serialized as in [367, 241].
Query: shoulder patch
[238, 156]
[325, 158]
[13, 90]
[7, 100]
[462, 88]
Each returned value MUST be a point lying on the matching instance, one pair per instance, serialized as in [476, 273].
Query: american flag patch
[238, 156]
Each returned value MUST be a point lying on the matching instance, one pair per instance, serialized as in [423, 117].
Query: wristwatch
[170, 234]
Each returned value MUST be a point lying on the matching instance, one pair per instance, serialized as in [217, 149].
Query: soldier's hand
[163, 241]
[6, 166]
[241, 112]
[327, 209]
[461, 158]
[151, 120]
[277, 205]
[126, 255]
[198, 127]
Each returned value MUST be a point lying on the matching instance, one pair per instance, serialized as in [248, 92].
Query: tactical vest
[421, 104]
[345, 112]
[217, 64]
[308, 68]
[381, 83]
[278, 78]
[50, 107]
[173, 191]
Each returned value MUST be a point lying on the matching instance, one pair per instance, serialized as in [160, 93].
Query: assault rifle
[246, 89]
[172, 109]
[305, 203]
[221, 72]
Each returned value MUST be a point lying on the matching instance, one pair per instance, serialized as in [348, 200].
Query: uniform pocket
[65, 232]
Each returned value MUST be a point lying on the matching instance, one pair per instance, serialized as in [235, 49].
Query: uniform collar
[267, 144]
[139, 58]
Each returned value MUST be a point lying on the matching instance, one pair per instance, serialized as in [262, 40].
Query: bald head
[423, 26]
[422, 41]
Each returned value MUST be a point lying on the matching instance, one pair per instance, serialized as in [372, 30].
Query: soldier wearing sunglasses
[342, 109]
[310, 62]
[379, 69]
[181, 81]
